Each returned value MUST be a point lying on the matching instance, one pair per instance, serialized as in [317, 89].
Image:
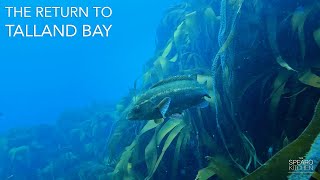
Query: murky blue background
[41, 77]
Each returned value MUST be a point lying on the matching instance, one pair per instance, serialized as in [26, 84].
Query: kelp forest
[260, 62]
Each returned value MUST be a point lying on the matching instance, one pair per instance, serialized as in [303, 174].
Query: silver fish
[168, 97]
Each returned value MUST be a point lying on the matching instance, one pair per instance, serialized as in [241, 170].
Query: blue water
[41, 77]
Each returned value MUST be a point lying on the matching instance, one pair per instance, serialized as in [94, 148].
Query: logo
[301, 165]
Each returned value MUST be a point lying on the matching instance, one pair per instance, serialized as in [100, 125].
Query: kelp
[117, 134]
[186, 32]
[259, 62]
[123, 169]
[309, 78]
[224, 60]
[151, 153]
[178, 148]
[205, 173]
[277, 166]
[196, 36]
[220, 167]
[316, 36]
[272, 38]
[172, 128]
[183, 39]
[298, 19]
[314, 155]
[166, 128]
[172, 18]
[277, 92]
[167, 143]
[298, 22]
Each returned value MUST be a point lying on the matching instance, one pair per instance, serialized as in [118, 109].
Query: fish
[168, 97]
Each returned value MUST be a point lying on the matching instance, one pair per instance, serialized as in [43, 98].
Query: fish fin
[173, 79]
[158, 121]
[163, 106]
[207, 95]
[203, 104]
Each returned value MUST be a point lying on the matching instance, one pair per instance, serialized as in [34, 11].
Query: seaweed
[277, 166]
[259, 62]
[220, 167]
[236, 89]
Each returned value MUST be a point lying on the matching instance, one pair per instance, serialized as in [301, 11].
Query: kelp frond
[277, 166]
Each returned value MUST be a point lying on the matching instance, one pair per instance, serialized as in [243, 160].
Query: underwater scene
[196, 89]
